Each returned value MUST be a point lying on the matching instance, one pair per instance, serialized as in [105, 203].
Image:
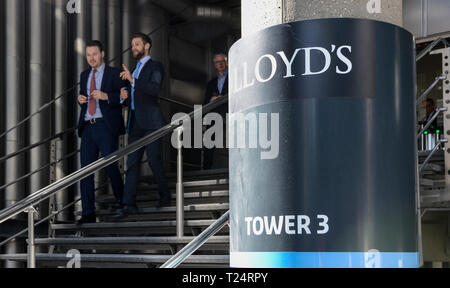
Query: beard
[139, 55]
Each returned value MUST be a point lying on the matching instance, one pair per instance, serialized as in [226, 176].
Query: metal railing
[66, 92]
[27, 204]
[436, 148]
[198, 241]
[431, 46]
[430, 88]
[435, 115]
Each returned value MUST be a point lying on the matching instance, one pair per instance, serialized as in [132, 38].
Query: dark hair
[430, 101]
[145, 38]
[97, 43]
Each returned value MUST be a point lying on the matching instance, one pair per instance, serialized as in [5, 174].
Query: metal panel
[445, 196]
[438, 16]
[412, 16]
[426, 17]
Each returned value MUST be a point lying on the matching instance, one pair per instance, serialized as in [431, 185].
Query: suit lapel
[104, 79]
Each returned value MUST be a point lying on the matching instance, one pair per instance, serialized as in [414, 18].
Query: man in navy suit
[100, 124]
[215, 89]
[145, 117]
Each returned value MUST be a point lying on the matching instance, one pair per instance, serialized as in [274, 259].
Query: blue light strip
[324, 259]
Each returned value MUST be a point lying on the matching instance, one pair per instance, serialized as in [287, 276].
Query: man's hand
[124, 94]
[215, 97]
[82, 99]
[99, 95]
[126, 74]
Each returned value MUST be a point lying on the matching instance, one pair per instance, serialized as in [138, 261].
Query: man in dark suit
[145, 117]
[216, 88]
[100, 124]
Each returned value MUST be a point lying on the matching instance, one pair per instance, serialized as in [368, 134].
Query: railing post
[52, 200]
[31, 259]
[180, 189]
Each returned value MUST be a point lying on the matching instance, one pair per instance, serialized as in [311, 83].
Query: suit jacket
[213, 90]
[146, 100]
[111, 109]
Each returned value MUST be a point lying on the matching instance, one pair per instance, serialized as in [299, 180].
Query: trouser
[153, 151]
[94, 139]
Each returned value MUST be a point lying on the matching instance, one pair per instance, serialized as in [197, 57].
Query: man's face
[429, 107]
[94, 56]
[220, 63]
[138, 48]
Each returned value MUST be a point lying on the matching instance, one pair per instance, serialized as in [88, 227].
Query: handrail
[76, 176]
[198, 241]
[435, 115]
[47, 105]
[39, 169]
[59, 135]
[430, 88]
[431, 46]
[25, 149]
[177, 102]
[441, 141]
[40, 221]
[53, 214]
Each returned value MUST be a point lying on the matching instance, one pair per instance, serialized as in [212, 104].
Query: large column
[15, 105]
[114, 32]
[38, 92]
[82, 35]
[152, 17]
[129, 26]
[2, 97]
[98, 29]
[328, 175]
[259, 14]
[60, 63]
[98, 8]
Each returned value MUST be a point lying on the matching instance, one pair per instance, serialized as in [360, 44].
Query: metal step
[140, 244]
[120, 258]
[172, 209]
[430, 183]
[187, 184]
[125, 225]
[127, 240]
[433, 168]
[196, 174]
[437, 156]
[153, 197]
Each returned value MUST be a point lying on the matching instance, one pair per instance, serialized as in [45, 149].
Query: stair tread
[129, 240]
[125, 258]
[187, 184]
[105, 199]
[169, 209]
[140, 224]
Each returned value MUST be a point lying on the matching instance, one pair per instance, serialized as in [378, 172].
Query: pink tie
[92, 101]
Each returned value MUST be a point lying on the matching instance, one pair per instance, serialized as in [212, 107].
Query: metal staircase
[145, 239]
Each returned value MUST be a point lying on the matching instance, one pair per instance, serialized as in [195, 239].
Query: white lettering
[323, 224]
[345, 60]
[288, 62]
[308, 60]
[303, 222]
[273, 225]
[273, 63]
